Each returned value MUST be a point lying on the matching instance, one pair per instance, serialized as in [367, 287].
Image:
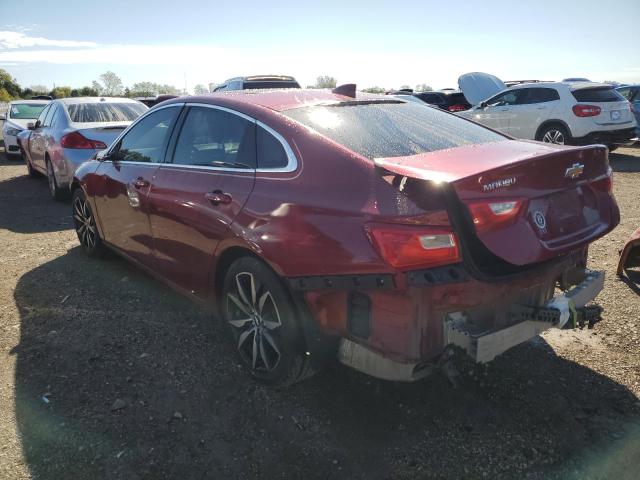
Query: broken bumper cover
[531, 321]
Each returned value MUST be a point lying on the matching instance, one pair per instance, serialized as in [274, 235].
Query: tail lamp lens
[586, 110]
[456, 108]
[403, 246]
[493, 215]
[604, 184]
[78, 141]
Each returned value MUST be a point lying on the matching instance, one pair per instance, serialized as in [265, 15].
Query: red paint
[313, 221]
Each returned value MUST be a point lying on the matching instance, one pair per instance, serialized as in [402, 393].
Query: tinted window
[600, 94]
[540, 95]
[215, 138]
[25, 111]
[625, 92]
[510, 97]
[271, 153]
[269, 84]
[432, 98]
[146, 141]
[385, 129]
[105, 112]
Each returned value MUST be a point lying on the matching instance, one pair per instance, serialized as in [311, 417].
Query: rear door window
[146, 141]
[598, 95]
[210, 137]
[381, 129]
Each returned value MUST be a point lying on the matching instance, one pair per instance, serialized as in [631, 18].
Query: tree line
[110, 85]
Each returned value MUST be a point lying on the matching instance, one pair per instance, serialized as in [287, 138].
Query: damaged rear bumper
[480, 344]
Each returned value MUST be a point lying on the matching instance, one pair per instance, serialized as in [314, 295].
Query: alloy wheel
[254, 316]
[85, 226]
[554, 136]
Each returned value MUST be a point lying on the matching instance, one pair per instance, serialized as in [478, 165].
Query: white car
[19, 114]
[573, 113]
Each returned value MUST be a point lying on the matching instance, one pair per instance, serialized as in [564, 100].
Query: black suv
[258, 82]
[451, 100]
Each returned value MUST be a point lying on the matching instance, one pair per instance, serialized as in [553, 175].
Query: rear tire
[57, 193]
[554, 133]
[263, 323]
[85, 225]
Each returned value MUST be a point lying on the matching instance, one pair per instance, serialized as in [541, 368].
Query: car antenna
[348, 90]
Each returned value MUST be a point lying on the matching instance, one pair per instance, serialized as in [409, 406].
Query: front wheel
[555, 133]
[85, 224]
[263, 323]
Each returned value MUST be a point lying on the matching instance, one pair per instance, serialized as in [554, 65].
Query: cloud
[13, 40]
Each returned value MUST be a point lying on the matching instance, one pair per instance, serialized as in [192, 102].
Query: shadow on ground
[30, 197]
[118, 377]
[621, 161]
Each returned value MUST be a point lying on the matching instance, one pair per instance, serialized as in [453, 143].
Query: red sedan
[326, 224]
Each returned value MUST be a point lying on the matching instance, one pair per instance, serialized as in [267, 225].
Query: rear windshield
[269, 84]
[600, 94]
[105, 112]
[385, 129]
[26, 111]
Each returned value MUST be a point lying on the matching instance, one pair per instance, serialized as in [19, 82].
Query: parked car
[632, 94]
[563, 113]
[20, 112]
[70, 131]
[324, 224]
[258, 82]
[408, 98]
[153, 101]
[449, 99]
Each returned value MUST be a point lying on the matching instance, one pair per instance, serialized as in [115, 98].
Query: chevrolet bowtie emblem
[574, 171]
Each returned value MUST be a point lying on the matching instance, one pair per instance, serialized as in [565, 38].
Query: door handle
[140, 183]
[218, 197]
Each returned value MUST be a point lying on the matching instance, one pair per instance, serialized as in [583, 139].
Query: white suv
[573, 113]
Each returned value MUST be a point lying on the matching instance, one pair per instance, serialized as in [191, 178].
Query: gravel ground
[107, 374]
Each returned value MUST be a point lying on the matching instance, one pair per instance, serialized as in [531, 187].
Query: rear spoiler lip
[406, 166]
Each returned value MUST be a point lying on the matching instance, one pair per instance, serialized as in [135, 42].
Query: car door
[533, 106]
[37, 140]
[199, 192]
[125, 178]
[496, 111]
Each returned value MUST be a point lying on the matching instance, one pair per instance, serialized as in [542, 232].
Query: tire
[262, 320]
[612, 148]
[57, 193]
[554, 133]
[30, 169]
[85, 224]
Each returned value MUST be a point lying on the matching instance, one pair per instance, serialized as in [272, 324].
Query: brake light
[79, 141]
[492, 215]
[586, 110]
[408, 246]
[456, 108]
[605, 184]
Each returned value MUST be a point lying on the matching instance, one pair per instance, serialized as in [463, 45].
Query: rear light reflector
[79, 141]
[456, 108]
[493, 215]
[404, 246]
[586, 110]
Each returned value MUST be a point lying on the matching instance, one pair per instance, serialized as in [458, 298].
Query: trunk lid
[614, 108]
[478, 86]
[560, 195]
[106, 133]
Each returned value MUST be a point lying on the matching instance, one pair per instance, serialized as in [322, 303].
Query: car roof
[277, 99]
[75, 100]
[30, 102]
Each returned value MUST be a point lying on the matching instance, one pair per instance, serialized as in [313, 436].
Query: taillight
[77, 140]
[586, 110]
[604, 184]
[408, 246]
[492, 215]
[456, 108]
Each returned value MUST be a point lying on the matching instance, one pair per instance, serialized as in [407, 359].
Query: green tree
[168, 90]
[405, 87]
[4, 95]
[200, 89]
[325, 82]
[374, 90]
[9, 84]
[144, 89]
[39, 89]
[60, 92]
[109, 84]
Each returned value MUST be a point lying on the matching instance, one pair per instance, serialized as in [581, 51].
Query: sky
[373, 43]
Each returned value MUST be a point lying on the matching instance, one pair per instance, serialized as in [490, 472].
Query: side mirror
[31, 126]
[483, 104]
[103, 155]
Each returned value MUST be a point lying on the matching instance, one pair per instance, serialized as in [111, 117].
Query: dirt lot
[107, 374]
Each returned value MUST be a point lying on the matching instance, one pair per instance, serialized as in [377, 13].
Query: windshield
[386, 129]
[105, 112]
[26, 111]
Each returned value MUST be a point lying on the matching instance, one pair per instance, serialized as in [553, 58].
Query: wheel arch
[553, 121]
